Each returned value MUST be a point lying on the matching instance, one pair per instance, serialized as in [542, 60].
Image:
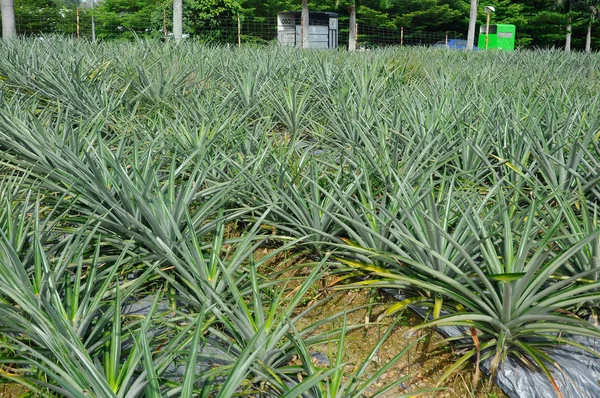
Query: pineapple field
[198, 221]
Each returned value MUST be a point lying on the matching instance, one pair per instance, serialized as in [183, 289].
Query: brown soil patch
[425, 362]
[12, 390]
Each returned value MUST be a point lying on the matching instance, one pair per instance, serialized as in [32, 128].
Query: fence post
[77, 19]
[165, 33]
[239, 31]
[446, 39]
[401, 36]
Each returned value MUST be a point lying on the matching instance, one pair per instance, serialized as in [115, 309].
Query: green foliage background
[540, 23]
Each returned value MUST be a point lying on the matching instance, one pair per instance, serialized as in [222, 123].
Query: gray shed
[322, 30]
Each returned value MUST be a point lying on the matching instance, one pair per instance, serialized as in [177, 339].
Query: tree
[509, 12]
[203, 17]
[305, 24]
[93, 22]
[594, 9]
[177, 19]
[589, 10]
[426, 15]
[38, 16]
[9, 29]
[71, 3]
[269, 8]
[126, 19]
[472, 22]
[352, 34]
[566, 5]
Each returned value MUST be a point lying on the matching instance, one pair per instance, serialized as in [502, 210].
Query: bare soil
[12, 390]
[424, 363]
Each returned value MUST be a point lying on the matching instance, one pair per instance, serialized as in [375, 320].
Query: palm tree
[567, 6]
[594, 8]
[472, 22]
[7, 8]
[178, 19]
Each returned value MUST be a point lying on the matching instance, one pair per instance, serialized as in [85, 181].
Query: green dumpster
[502, 37]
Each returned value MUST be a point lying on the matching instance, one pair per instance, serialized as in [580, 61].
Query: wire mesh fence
[371, 36]
[231, 30]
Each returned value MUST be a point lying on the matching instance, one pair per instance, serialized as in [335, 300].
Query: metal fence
[222, 30]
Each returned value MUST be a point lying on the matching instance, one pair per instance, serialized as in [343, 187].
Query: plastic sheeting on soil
[212, 354]
[209, 355]
[580, 376]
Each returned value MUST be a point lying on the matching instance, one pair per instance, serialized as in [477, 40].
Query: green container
[502, 37]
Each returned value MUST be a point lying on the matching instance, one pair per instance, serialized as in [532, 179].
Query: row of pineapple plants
[469, 182]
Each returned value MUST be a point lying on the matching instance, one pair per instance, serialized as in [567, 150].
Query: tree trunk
[568, 40]
[9, 30]
[178, 19]
[472, 22]
[588, 39]
[305, 24]
[93, 23]
[352, 35]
